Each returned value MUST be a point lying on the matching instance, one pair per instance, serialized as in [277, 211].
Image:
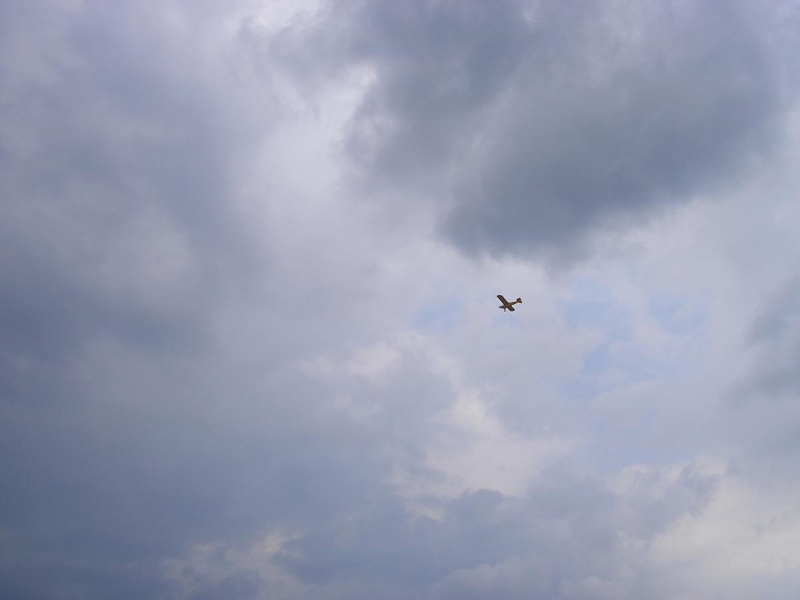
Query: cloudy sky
[249, 340]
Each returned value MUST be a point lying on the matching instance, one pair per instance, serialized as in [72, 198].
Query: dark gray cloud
[760, 407]
[242, 586]
[776, 333]
[121, 243]
[117, 150]
[438, 66]
[534, 124]
[487, 544]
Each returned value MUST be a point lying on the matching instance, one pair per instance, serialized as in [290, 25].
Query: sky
[250, 346]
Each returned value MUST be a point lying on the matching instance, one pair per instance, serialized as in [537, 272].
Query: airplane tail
[519, 300]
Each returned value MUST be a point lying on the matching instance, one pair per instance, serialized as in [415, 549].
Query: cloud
[532, 125]
[732, 544]
[618, 128]
[249, 342]
[236, 587]
[777, 332]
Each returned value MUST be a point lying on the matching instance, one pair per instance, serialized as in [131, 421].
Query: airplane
[506, 304]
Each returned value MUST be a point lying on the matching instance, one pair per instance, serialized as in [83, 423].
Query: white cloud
[475, 451]
[744, 536]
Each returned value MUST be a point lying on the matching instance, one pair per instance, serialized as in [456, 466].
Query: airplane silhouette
[506, 304]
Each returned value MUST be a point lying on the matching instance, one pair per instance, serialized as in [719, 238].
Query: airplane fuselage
[508, 306]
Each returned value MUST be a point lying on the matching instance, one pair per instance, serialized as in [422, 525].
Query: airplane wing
[503, 300]
[511, 308]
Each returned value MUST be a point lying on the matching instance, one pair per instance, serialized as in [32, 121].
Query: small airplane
[506, 304]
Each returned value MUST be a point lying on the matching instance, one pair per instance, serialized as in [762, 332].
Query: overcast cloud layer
[249, 341]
